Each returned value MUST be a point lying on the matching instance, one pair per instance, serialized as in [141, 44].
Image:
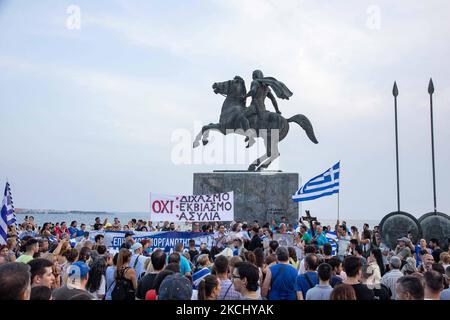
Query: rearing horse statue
[270, 126]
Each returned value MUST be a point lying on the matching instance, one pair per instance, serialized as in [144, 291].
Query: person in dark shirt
[434, 245]
[336, 266]
[256, 241]
[147, 282]
[97, 223]
[352, 267]
[193, 252]
[310, 278]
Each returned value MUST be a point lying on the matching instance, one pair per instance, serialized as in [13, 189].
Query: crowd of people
[245, 262]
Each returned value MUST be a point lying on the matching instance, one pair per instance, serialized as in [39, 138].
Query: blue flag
[8, 216]
[324, 184]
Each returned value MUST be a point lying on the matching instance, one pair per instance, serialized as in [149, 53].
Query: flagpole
[431, 91]
[339, 191]
[338, 205]
[301, 202]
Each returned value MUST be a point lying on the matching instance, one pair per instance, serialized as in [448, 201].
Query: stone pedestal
[257, 195]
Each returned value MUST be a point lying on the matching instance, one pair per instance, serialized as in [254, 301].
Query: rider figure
[259, 90]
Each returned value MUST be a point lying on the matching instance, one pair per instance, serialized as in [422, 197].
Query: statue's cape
[278, 87]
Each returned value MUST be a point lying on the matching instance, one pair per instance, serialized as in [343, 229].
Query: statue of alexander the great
[254, 121]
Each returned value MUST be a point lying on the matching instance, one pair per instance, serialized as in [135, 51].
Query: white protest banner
[165, 240]
[192, 208]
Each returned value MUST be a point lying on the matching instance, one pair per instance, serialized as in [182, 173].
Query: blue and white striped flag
[331, 236]
[324, 184]
[8, 216]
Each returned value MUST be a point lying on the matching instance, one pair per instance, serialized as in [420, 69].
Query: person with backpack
[309, 279]
[125, 278]
[110, 276]
[138, 260]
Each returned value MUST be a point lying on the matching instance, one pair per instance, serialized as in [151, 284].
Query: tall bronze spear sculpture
[431, 91]
[395, 93]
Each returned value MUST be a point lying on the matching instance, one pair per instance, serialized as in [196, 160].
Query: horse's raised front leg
[208, 128]
[204, 133]
[197, 139]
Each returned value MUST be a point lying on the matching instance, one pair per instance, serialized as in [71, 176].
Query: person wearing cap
[129, 237]
[31, 248]
[175, 287]
[108, 226]
[128, 241]
[78, 274]
[138, 259]
[402, 250]
[391, 277]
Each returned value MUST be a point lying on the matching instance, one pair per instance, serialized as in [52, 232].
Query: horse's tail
[304, 122]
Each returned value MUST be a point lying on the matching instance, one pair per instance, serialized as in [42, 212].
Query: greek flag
[324, 184]
[331, 237]
[7, 214]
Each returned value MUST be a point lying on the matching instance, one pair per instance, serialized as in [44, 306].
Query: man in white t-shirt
[343, 242]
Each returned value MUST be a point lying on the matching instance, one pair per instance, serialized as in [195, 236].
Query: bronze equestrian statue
[254, 121]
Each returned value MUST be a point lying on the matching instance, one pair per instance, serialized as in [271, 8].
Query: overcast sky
[87, 115]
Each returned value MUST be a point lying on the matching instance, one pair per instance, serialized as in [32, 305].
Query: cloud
[340, 71]
[128, 104]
